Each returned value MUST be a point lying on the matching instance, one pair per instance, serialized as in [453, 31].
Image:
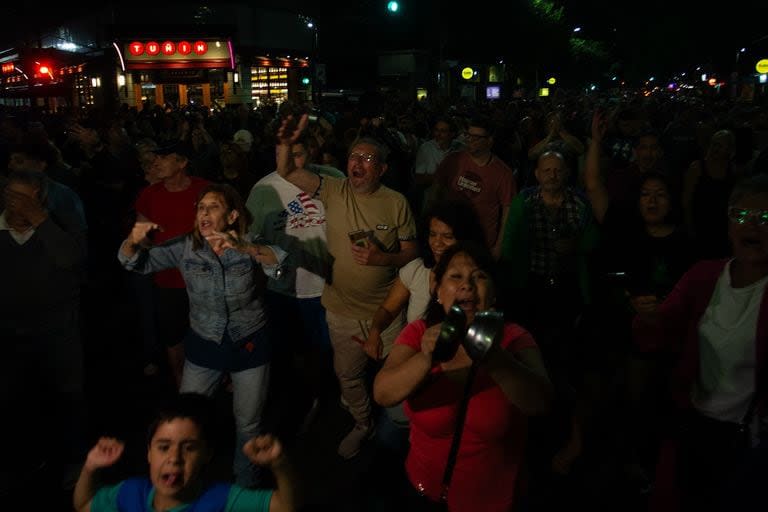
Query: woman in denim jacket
[228, 327]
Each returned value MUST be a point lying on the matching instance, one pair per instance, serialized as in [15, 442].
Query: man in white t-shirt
[288, 217]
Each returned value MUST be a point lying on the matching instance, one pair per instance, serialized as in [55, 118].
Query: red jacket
[678, 327]
[677, 330]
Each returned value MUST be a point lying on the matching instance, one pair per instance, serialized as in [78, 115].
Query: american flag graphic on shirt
[303, 212]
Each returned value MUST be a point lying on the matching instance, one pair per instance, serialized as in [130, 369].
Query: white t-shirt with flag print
[288, 217]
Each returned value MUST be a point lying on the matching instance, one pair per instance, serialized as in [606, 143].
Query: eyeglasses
[475, 136]
[365, 157]
[744, 215]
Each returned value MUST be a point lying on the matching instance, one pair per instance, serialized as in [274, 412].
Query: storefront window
[269, 84]
[148, 93]
[217, 79]
[171, 94]
[84, 86]
[195, 94]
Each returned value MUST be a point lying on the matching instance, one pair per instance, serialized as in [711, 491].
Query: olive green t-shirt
[355, 290]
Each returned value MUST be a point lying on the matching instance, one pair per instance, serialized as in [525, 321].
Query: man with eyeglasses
[371, 233]
[476, 176]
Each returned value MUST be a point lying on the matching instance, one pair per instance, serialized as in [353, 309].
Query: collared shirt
[552, 232]
[20, 237]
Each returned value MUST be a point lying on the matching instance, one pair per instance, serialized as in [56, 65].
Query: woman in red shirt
[511, 383]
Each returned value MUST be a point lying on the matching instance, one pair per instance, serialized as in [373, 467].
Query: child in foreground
[179, 451]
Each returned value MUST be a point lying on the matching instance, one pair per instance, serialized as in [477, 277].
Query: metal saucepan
[451, 332]
[485, 331]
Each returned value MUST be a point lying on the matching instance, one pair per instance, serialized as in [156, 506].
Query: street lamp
[312, 25]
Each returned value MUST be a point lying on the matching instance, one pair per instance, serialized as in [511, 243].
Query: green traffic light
[305, 80]
[393, 6]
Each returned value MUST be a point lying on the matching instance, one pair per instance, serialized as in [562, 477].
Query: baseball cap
[181, 148]
[244, 139]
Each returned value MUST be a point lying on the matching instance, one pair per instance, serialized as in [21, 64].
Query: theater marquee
[175, 54]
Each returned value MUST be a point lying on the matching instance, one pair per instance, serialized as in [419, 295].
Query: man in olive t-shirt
[371, 233]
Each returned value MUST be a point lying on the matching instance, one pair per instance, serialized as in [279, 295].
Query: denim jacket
[222, 290]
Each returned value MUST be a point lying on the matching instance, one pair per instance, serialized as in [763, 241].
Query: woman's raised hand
[221, 241]
[140, 232]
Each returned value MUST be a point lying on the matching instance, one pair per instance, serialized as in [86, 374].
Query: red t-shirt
[175, 212]
[492, 444]
[488, 188]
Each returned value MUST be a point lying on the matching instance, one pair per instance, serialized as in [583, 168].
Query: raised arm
[593, 181]
[287, 135]
[136, 254]
[106, 453]
[266, 450]
[265, 254]
[138, 238]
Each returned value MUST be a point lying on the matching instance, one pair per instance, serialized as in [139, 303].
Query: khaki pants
[350, 361]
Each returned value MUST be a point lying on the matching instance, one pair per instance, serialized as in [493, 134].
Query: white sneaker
[352, 442]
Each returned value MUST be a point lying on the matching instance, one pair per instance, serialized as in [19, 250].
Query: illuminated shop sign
[167, 48]
[175, 54]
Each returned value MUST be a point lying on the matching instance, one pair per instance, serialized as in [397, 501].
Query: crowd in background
[302, 255]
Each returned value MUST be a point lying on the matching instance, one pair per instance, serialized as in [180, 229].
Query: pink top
[493, 441]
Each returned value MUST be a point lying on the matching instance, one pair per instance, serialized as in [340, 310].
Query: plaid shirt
[547, 228]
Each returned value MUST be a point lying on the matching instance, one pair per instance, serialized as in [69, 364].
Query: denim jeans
[249, 396]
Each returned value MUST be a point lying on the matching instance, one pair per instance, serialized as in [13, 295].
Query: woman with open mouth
[715, 322]
[511, 383]
[222, 268]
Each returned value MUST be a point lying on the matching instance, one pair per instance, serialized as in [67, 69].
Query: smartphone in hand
[359, 237]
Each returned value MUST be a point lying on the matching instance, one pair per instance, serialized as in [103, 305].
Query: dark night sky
[653, 36]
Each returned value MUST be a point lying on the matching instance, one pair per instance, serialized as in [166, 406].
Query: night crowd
[515, 305]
